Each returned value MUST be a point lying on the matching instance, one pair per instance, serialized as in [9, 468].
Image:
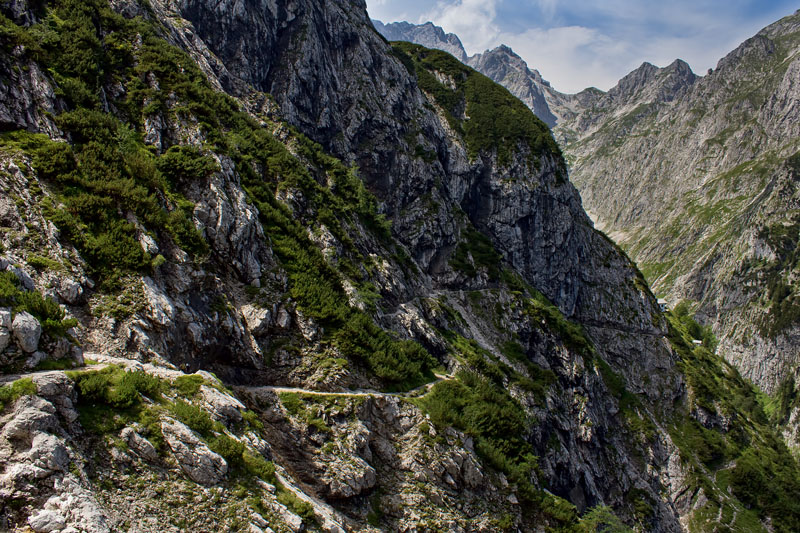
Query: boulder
[70, 291]
[78, 504]
[27, 331]
[195, 458]
[49, 452]
[59, 390]
[5, 338]
[5, 327]
[31, 415]
[140, 445]
[46, 521]
[350, 477]
[34, 359]
[222, 407]
[24, 278]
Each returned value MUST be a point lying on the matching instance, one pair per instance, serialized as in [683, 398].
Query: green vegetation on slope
[783, 299]
[45, 309]
[107, 175]
[497, 121]
[112, 398]
[10, 393]
[742, 465]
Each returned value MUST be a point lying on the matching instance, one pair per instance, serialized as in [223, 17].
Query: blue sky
[580, 43]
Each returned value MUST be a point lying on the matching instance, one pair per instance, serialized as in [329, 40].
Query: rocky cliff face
[706, 170]
[272, 193]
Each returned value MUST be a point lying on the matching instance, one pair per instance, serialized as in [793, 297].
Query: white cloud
[472, 20]
[584, 43]
[570, 56]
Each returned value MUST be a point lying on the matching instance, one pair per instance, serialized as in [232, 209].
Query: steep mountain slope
[351, 219]
[501, 64]
[696, 178]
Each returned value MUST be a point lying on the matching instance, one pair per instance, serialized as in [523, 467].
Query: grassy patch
[310, 414]
[497, 121]
[11, 393]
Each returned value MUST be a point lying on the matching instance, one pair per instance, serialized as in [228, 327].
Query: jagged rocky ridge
[428, 35]
[696, 178]
[186, 231]
[501, 64]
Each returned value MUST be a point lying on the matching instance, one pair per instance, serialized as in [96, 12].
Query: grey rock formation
[70, 291]
[601, 433]
[222, 407]
[139, 444]
[428, 35]
[193, 455]
[31, 415]
[46, 521]
[59, 390]
[27, 331]
[5, 328]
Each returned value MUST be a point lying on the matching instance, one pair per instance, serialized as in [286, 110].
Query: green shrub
[301, 508]
[230, 449]
[11, 393]
[185, 164]
[252, 420]
[400, 361]
[601, 519]
[46, 310]
[116, 387]
[539, 308]
[189, 385]
[42, 263]
[297, 408]
[487, 412]
[194, 417]
[292, 403]
[256, 465]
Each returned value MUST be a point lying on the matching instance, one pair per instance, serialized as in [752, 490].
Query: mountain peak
[428, 35]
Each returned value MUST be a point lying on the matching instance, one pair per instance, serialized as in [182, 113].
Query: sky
[576, 44]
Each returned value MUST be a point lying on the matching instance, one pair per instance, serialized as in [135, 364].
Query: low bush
[116, 387]
[11, 393]
[188, 385]
[301, 508]
[194, 417]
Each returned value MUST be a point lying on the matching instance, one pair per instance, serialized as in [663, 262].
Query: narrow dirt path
[9, 378]
[351, 393]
